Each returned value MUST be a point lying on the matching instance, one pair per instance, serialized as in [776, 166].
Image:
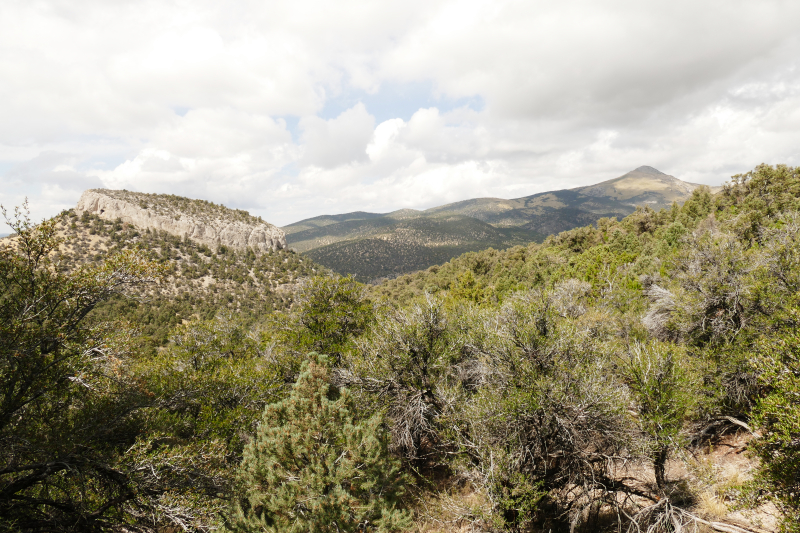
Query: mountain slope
[372, 245]
[411, 244]
[642, 186]
[201, 280]
[555, 211]
[327, 220]
[544, 213]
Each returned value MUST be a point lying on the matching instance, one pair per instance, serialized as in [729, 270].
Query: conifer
[313, 468]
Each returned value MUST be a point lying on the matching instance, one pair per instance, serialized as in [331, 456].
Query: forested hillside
[413, 244]
[640, 375]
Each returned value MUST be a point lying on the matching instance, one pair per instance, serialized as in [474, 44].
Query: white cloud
[382, 138]
[235, 102]
[335, 142]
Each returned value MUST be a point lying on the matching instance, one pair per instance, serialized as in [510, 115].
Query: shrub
[665, 393]
[404, 363]
[329, 313]
[68, 400]
[546, 419]
[777, 414]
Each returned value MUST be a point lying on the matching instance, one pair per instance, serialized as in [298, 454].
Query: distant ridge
[327, 220]
[374, 245]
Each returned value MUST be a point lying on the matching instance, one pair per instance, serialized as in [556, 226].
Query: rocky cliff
[201, 221]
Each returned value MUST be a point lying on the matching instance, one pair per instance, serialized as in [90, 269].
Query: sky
[293, 109]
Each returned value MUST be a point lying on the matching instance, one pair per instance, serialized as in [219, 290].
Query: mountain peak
[649, 170]
[642, 186]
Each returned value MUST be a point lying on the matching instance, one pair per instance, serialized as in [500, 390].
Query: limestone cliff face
[203, 222]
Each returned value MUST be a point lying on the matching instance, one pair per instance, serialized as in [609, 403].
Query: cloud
[592, 60]
[48, 180]
[291, 109]
[50, 167]
[335, 142]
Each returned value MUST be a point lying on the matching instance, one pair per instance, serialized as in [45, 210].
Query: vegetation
[69, 401]
[777, 413]
[199, 281]
[579, 384]
[384, 248]
[312, 467]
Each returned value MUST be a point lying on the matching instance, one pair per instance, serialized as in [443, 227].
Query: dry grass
[451, 507]
[710, 507]
[712, 479]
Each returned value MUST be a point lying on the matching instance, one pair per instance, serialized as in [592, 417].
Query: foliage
[68, 399]
[749, 200]
[95, 435]
[777, 414]
[533, 382]
[405, 364]
[313, 467]
[213, 382]
[666, 393]
[329, 312]
[208, 389]
[199, 283]
[542, 391]
[384, 247]
[468, 288]
[715, 300]
[685, 293]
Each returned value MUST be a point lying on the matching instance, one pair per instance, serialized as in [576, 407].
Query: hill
[201, 221]
[201, 247]
[373, 245]
[388, 248]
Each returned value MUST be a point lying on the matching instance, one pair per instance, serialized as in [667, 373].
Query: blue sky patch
[397, 100]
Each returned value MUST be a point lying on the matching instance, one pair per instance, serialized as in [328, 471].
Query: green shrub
[777, 415]
[665, 393]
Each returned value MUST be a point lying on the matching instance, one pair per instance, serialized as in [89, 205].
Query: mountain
[327, 220]
[551, 212]
[373, 245]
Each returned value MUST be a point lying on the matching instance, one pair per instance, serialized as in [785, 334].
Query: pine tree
[313, 468]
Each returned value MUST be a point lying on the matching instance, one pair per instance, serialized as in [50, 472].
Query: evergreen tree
[313, 468]
[330, 312]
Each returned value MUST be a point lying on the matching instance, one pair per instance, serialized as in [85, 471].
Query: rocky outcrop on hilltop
[203, 222]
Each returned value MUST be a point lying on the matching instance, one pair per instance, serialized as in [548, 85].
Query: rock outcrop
[198, 220]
